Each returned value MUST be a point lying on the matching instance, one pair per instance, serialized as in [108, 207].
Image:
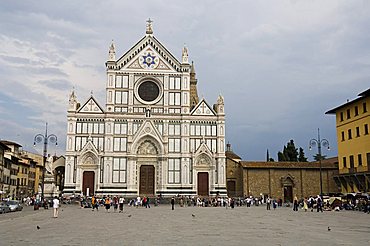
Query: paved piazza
[162, 226]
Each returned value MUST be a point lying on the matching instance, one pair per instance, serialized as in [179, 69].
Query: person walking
[56, 206]
[173, 203]
[115, 203]
[138, 202]
[274, 204]
[121, 201]
[94, 203]
[295, 204]
[268, 203]
[305, 204]
[147, 204]
[144, 202]
[310, 203]
[319, 203]
[232, 203]
[107, 203]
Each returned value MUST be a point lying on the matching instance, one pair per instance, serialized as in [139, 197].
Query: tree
[289, 153]
[301, 157]
[317, 157]
[281, 156]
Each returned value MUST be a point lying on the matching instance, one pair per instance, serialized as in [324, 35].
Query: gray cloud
[56, 84]
[279, 64]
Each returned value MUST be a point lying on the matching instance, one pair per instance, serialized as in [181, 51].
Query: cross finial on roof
[149, 27]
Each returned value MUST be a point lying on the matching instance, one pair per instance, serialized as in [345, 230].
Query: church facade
[154, 135]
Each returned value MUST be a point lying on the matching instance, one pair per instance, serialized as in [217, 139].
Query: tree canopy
[290, 153]
[301, 157]
[317, 157]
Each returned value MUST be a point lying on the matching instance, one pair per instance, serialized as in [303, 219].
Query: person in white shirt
[56, 206]
[138, 201]
[121, 201]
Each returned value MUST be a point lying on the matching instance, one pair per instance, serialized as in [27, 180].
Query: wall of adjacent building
[268, 181]
[234, 172]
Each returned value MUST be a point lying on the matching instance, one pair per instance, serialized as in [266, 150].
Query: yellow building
[353, 126]
[22, 178]
[35, 170]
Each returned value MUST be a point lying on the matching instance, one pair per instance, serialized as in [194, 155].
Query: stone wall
[271, 181]
[234, 172]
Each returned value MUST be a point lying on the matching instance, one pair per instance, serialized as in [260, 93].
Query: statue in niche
[147, 148]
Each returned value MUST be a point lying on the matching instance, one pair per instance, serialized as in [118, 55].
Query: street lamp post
[319, 142]
[44, 138]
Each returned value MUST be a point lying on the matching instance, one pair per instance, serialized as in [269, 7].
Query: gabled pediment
[147, 130]
[149, 54]
[149, 59]
[203, 155]
[89, 154]
[203, 109]
[89, 147]
[203, 149]
[91, 106]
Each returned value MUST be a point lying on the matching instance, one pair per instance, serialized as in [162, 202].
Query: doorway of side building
[88, 183]
[288, 194]
[203, 184]
[231, 188]
[146, 180]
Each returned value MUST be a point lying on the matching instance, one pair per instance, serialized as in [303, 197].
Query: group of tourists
[107, 202]
[308, 203]
[140, 202]
[115, 202]
[312, 203]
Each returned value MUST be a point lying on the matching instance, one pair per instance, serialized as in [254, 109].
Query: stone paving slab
[162, 226]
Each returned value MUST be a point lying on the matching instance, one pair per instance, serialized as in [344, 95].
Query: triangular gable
[203, 149]
[203, 156]
[91, 106]
[203, 109]
[148, 129]
[149, 45]
[89, 147]
[149, 59]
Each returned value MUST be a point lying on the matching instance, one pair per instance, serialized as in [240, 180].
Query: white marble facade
[153, 137]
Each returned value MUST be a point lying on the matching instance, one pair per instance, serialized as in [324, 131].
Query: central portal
[203, 184]
[88, 182]
[146, 180]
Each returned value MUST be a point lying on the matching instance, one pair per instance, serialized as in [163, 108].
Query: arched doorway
[231, 188]
[287, 183]
[88, 183]
[203, 184]
[288, 194]
[146, 180]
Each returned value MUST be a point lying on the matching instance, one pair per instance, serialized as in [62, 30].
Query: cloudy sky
[279, 64]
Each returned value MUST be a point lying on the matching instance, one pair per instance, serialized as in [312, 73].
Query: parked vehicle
[14, 205]
[4, 208]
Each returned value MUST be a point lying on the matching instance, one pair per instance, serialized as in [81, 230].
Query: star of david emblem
[149, 60]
